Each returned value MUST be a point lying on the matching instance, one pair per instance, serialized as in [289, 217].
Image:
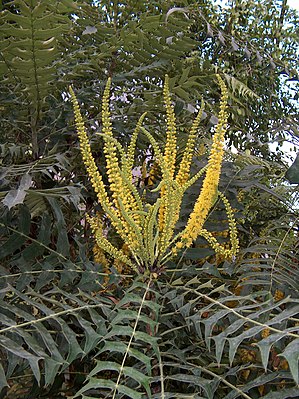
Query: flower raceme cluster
[148, 230]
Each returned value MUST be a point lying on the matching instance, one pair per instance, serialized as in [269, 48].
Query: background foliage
[71, 323]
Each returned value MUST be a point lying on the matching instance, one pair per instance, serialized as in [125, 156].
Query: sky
[294, 4]
[288, 148]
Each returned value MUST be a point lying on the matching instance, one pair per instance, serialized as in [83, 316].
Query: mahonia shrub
[148, 229]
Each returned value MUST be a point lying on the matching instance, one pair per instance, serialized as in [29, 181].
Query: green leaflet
[3, 381]
[31, 46]
[19, 351]
[292, 174]
[127, 371]
[95, 383]
[128, 339]
[291, 354]
[16, 240]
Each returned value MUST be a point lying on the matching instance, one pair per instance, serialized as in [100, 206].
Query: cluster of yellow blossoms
[147, 230]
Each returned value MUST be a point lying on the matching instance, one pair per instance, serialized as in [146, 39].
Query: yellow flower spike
[118, 186]
[129, 161]
[156, 149]
[113, 171]
[233, 232]
[184, 169]
[165, 213]
[134, 239]
[218, 248]
[96, 178]
[106, 245]
[163, 242]
[171, 142]
[182, 176]
[134, 191]
[194, 179]
[169, 158]
[209, 191]
[150, 231]
[174, 197]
